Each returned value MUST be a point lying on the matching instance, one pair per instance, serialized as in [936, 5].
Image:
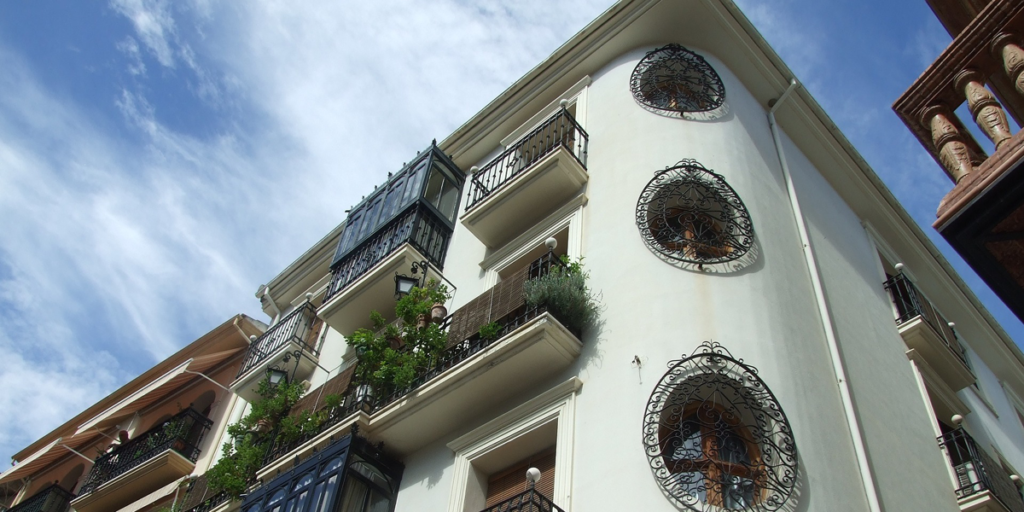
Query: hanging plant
[392, 355]
[237, 468]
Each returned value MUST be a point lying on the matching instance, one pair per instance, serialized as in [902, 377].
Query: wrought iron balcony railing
[977, 472]
[509, 310]
[182, 433]
[51, 499]
[560, 130]
[527, 501]
[293, 328]
[464, 341]
[910, 304]
[418, 225]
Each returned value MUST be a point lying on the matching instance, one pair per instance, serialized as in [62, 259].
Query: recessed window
[674, 79]
[716, 438]
[690, 214]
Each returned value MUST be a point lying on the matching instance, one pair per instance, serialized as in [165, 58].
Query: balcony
[471, 375]
[50, 499]
[364, 281]
[527, 501]
[926, 331]
[474, 373]
[982, 216]
[982, 484]
[292, 333]
[143, 464]
[528, 181]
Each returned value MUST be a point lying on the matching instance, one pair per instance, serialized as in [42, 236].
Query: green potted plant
[564, 292]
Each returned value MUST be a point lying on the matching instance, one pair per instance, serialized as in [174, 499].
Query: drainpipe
[277, 312]
[824, 311]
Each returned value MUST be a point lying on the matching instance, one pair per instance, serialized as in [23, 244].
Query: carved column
[953, 152]
[987, 112]
[1006, 49]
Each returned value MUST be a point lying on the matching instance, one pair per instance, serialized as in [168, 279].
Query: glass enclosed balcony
[410, 218]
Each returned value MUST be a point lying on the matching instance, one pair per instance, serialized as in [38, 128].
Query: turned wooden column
[987, 112]
[953, 151]
[1006, 50]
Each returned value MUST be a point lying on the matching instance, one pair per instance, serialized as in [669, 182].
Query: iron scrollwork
[716, 438]
[690, 214]
[674, 79]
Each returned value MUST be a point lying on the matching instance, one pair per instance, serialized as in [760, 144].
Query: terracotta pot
[396, 342]
[263, 425]
[438, 312]
[421, 322]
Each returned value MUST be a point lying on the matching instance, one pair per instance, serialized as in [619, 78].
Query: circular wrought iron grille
[716, 437]
[689, 213]
[675, 79]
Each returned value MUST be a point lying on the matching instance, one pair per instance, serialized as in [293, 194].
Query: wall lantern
[276, 376]
[404, 284]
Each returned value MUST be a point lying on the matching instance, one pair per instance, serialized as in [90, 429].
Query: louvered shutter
[508, 482]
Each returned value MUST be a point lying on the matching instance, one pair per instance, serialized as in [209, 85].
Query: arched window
[674, 79]
[716, 438]
[688, 213]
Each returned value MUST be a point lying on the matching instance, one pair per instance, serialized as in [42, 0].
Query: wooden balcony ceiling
[955, 15]
[988, 230]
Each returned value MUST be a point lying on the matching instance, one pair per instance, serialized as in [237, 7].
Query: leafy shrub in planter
[237, 468]
[565, 293]
[390, 356]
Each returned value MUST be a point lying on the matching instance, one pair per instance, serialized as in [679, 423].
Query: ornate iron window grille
[674, 79]
[690, 214]
[977, 472]
[716, 438]
[560, 130]
[293, 328]
[182, 433]
[529, 500]
[51, 499]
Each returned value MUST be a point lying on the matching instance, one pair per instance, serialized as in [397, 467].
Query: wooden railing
[987, 54]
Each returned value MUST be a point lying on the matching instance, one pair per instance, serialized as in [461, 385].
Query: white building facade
[810, 304]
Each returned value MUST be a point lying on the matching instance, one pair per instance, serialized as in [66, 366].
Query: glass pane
[737, 492]
[449, 196]
[304, 481]
[351, 230]
[393, 200]
[335, 463]
[371, 220]
[433, 192]
[354, 496]
[330, 491]
[378, 502]
[371, 473]
[278, 497]
[415, 181]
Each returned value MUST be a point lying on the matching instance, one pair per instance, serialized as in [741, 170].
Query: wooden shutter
[494, 304]
[508, 482]
[313, 401]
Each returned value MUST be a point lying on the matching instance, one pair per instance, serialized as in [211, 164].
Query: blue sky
[159, 160]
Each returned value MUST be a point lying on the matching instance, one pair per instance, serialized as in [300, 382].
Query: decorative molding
[557, 404]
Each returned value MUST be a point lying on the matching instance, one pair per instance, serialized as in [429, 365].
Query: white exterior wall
[765, 314]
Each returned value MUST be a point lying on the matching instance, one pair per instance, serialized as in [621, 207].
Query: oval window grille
[674, 79]
[689, 213]
[716, 437]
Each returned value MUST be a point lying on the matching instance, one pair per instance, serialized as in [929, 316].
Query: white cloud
[154, 25]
